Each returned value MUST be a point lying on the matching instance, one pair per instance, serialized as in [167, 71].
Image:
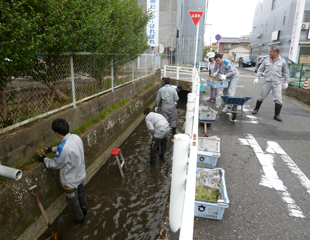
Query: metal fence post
[133, 71]
[178, 72]
[72, 82]
[112, 75]
[165, 69]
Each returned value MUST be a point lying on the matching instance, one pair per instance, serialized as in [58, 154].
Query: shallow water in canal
[131, 207]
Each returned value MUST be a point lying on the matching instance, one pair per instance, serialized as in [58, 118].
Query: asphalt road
[267, 169]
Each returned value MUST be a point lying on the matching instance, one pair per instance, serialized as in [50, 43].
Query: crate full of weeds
[211, 195]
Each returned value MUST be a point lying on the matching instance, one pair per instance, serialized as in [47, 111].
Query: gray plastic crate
[209, 156]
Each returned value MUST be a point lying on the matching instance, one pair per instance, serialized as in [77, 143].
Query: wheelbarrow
[234, 101]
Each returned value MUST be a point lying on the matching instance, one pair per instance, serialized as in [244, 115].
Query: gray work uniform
[232, 75]
[71, 162]
[212, 69]
[168, 95]
[273, 71]
[157, 125]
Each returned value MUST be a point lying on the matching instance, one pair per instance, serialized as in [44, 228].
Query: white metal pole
[112, 75]
[196, 48]
[179, 165]
[72, 82]
[190, 113]
[165, 71]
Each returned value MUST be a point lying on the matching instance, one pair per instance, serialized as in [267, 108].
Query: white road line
[270, 176]
[291, 165]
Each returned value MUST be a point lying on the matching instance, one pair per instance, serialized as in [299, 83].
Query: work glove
[175, 103]
[151, 137]
[48, 150]
[222, 77]
[41, 158]
[285, 85]
[255, 81]
[155, 109]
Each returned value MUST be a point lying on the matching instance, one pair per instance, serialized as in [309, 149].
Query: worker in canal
[70, 160]
[273, 69]
[159, 129]
[226, 70]
[168, 96]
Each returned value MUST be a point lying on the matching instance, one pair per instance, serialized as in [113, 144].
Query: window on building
[266, 26]
[227, 45]
[274, 22]
[284, 17]
[306, 16]
[273, 4]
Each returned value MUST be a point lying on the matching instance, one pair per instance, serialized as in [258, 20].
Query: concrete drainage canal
[131, 207]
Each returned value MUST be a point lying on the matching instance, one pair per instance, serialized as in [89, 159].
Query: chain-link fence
[59, 81]
[299, 75]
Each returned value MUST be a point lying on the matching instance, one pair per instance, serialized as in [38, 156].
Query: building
[273, 24]
[177, 32]
[234, 48]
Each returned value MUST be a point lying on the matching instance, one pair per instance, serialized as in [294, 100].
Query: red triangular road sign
[195, 15]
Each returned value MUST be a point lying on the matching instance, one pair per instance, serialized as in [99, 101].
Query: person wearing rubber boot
[159, 129]
[226, 70]
[168, 96]
[273, 69]
[71, 162]
[212, 69]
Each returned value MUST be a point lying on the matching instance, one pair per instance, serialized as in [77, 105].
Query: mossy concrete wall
[18, 209]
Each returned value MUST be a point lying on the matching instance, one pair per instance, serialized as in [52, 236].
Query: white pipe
[194, 87]
[177, 192]
[189, 118]
[11, 173]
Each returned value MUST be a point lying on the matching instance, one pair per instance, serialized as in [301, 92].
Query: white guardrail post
[165, 69]
[178, 73]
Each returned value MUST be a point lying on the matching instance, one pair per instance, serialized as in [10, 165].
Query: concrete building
[273, 25]
[177, 32]
[234, 48]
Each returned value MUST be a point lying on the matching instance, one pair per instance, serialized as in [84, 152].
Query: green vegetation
[206, 193]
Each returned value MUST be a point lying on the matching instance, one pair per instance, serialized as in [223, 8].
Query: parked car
[246, 61]
[294, 69]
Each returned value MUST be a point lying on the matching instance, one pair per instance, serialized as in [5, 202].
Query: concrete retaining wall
[300, 94]
[18, 209]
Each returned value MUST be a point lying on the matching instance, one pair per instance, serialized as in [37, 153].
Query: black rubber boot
[154, 149]
[258, 103]
[174, 131]
[163, 146]
[74, 204]
[277, 111]
[82, 199]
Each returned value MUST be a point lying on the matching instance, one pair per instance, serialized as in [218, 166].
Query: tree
[18, 42]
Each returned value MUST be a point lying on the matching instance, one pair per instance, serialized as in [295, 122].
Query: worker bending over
[159, 129]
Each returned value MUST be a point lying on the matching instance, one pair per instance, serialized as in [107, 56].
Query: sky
[229, 18]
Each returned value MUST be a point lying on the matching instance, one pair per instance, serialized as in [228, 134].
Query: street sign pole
[196, 48]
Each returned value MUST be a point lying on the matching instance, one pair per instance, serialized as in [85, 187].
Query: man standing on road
[71, 162]
[168, 95]
[227, 71]
[273, 69]
[159, 129]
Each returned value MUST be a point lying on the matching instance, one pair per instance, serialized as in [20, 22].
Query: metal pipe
[11, 173]
[179, 165]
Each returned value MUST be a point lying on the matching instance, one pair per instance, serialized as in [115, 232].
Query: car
[294, 68]
[246, 61]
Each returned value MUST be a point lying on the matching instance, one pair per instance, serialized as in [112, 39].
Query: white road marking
[291, 165]
[270, 176]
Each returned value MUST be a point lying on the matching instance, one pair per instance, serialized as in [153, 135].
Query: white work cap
[211, 54]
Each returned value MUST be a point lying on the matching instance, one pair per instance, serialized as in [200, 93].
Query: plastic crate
[210, 156]
[213, 210]
[217, 84]
[202, 87]
[207, 113]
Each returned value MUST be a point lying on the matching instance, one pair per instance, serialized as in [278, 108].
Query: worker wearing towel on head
[212, 69]
[226, 70]
[159, 129]
[273, 69]
[168, 96]
[71, 162]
